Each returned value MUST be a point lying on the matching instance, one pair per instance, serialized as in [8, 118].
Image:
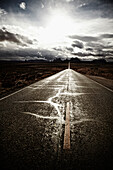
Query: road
[37, 120]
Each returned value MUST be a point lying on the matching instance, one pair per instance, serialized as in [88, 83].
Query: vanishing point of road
[62, 122]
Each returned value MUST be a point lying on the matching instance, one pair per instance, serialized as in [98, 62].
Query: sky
[50, 29]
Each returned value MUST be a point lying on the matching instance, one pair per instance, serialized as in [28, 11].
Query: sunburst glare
[58, 27]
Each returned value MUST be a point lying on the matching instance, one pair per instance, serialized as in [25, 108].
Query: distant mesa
[61, 60]
[77, 60]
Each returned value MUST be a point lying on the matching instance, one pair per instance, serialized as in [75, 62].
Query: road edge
[99, 83]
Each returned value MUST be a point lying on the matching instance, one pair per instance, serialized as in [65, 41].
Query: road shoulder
[105, 82]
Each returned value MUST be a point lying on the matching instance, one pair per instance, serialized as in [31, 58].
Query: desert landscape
[16, 75]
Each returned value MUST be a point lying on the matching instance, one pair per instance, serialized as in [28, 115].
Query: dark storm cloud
[15, 38]
[84, 38]
[97, 50]
[106, 36]
[27, 53]
[89, 49]
[31, 6]
[38, 12]
[98, 46]
[62, 49]
[7, 36]
[13, 6]
[85, 54]
[24, 39]
[78, 44]
[104, 8]
[95, 45]
[103, 54]
[58, 49]
[69, 49]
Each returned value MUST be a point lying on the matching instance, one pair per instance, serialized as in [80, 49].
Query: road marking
[67, 129]
[49, 78]
[42, 117]
[69, 65]
[83, 120]
[13, 93]
[101, 85]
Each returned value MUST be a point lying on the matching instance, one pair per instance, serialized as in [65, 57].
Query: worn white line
[40, 116]
[18, 91]
[12, 93]
[49, 78]
[49, 101]
[82, 121]
[101, 85]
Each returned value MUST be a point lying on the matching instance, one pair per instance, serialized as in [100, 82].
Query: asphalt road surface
[66, 107]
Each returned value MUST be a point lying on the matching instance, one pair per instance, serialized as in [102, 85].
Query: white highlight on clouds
[59, 25]
[2, 12]
[82, 5]
[22, 5]
[42, 5]
[69, 0]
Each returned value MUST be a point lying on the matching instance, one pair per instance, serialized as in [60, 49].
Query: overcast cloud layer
[48, 29]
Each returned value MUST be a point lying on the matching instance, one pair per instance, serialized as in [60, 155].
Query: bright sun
[59, 25]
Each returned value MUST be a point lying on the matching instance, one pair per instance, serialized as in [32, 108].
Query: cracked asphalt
[32, 123]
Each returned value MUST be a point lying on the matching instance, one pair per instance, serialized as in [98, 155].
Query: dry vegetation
[15, 75]
[101, 70]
